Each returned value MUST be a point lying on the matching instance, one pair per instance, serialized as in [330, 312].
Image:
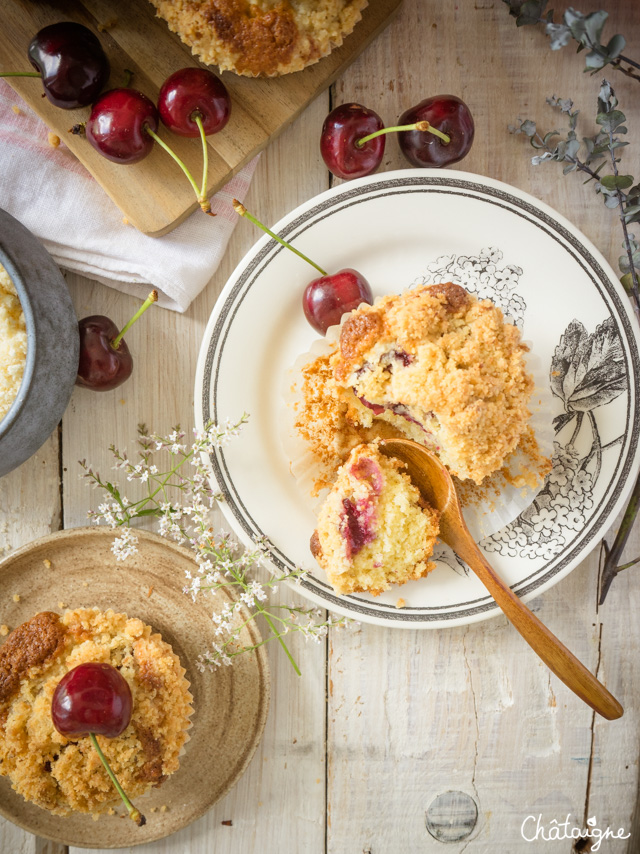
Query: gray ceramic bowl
[52, 344]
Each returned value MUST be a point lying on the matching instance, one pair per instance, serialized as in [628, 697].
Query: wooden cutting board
[154, 195]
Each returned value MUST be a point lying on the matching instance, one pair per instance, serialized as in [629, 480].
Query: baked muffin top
[64, 774]
[261, 37]
[443, 367]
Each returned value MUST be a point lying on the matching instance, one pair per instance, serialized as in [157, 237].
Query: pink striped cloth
[54, 196]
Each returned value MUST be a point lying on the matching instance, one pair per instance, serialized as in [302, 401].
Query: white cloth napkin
[52, 194]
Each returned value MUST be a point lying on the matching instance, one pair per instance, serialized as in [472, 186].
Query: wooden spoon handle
[543, 642]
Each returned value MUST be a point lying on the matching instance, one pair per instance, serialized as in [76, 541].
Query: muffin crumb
[64, 775]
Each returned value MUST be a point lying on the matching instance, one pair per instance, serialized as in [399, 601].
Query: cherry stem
[204, 202]
[134, 812]
[242, 211]
[424, 126]
[20, 74]
[153, 297]
[205, 154]
[128, 74]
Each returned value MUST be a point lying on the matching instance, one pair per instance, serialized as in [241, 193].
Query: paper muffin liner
[486, 509]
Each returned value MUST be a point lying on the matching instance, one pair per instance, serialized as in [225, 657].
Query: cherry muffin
[444, 369]
[374, 529]
[261, 37]
[64, 774]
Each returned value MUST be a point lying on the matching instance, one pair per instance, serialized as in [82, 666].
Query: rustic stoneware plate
[402, 229]
[230, 705]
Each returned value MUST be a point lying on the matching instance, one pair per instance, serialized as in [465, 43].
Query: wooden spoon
[435, 484]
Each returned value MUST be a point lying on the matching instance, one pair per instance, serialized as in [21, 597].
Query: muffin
[374, 529]
[261, 37]
[13, 343]
[444, 369]
[65, 774]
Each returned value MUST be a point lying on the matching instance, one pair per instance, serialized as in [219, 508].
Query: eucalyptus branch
[221, 563]
[586, 30]
[619, 192]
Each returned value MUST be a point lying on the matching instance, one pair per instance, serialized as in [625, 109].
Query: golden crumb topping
[64, 774]
[30, 645]
[261, 37]
[443, 368]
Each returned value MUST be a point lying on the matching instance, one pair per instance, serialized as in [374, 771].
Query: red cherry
[73, 65]
[341, 131]
[117, 125]
[102, 366]
[449, 115]
[326, 299]
[194, 91]
[92, 698]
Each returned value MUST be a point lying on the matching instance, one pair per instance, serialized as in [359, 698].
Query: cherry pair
[436, 132]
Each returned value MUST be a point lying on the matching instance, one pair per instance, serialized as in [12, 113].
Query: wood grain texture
[34, 485]
[410, 714]
[154, 194]
[414, 715]
[279, 804]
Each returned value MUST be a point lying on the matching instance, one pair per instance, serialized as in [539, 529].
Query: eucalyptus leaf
[610, 121]
[594, 24]
[616, 182]
[627, 282]
[616, 46]
[559, 35]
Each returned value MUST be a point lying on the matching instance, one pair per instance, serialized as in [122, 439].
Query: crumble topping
[261, 37]
[64, 774]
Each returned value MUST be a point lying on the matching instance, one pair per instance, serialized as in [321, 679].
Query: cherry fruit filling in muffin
[441, 367]
[373, 529]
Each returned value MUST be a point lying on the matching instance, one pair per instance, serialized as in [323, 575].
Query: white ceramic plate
[400, 229]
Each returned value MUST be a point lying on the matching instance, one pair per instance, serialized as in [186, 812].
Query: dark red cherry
[92, 698]
[341, 131]
[116, 126]
[326, 299]
[448, 114]
[73, 65]
[190, 92]
[102, 366]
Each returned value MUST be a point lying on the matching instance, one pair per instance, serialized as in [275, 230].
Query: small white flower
[125, 545]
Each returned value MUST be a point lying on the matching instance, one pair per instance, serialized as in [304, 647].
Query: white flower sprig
[180, 497]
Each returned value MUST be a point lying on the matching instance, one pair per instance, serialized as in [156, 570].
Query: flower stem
[204, 202]
[20, 74]
[134, 813]
[424, 126]
[242, 211]
[281, 642]
[153, 297]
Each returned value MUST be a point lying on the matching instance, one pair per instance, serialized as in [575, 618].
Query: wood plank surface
[154, 195]
[279, 804]
[414, 715]
[410, 716]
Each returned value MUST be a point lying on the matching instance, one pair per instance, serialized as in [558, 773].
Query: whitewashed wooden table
[383, 722]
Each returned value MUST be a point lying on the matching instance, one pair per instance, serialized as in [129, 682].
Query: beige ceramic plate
[230, 704]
